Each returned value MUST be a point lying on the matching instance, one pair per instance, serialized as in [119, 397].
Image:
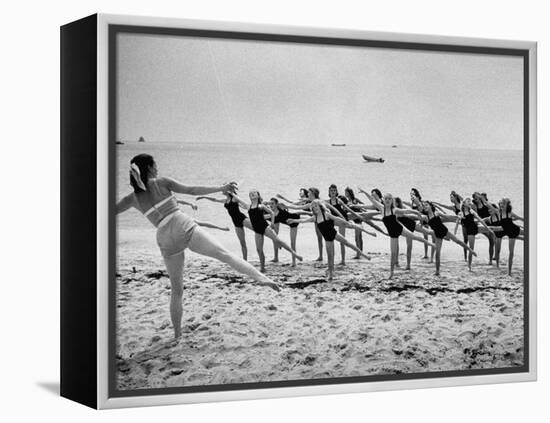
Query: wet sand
[357, 325]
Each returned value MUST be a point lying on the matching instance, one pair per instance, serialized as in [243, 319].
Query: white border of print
[104, 401]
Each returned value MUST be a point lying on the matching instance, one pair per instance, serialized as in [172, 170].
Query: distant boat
[394, 146]
[141, 139]
[119, 142]
[373, 159]
[338, 145]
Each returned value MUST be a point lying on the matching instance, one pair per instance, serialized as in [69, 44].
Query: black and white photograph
[300, 211]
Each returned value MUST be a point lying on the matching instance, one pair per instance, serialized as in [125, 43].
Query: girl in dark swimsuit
[256, 215]
[353, 203]
[304, 203]
[282, 215]
[239, 219]
[482, 207]
[510, 229]
[337, 203]
[441, 232]
[410, 222]
[416, 204]
[324, 221]
[394, 228]
[456, 203]
[469, 218]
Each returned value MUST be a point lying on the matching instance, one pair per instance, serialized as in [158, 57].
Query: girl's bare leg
[275, 245]
[452, 237]
[415, 237]
[273, 236]
[319, 243]
[498, 245]
[465, 238]
[425, 247]
[438, 244]
[471, 244]
[174, 265]
[491, 240]
[342, 232]
[211, 225]
[330, 259]
[293, 236]
[242, 240]
[409, 252]
[511, 245]
[432, 252]
[345, 243]
[358, 241]
[397, 254]
[394, 242]
[259, 238]
[203, 243]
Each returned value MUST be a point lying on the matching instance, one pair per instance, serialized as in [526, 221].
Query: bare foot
[299, 258]
[262, 270]
[275, 260]
[319, 259]
[342, 263]
[357, 257]
[408, 267]
[271, 285]
[436, 274]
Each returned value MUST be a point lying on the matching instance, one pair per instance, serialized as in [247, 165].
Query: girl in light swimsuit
[154, 197]
[239, 219]
[510, 229]
[435, 220]
[280, 215]
[469, 218]
[394, 228]
[325, 222]
[257, 216]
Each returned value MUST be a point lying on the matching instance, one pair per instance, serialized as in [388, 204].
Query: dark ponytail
[143, 163]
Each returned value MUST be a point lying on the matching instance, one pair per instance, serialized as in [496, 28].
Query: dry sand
[360, 324]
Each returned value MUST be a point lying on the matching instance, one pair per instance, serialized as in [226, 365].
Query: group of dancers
[417, 220]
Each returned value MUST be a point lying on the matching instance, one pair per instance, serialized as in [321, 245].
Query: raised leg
[273, 236]
[415, 237]
[203, 243]
[345, 243]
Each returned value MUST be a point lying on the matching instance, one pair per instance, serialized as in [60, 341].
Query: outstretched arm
[125, 204]
[480, 220]
[187, 203]
[214, 200]
[179, 188]
[443, 206]
[302, 220]
[242, 203]
[515, 216]
[374, 202]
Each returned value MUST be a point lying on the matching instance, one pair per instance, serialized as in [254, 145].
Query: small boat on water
[141, 139]
[338, 145]
[394, 146]
[373, 159]
[119, 142]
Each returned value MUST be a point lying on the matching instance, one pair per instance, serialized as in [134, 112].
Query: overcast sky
[197, 90]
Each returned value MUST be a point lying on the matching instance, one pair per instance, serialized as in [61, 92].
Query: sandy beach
[357, 325]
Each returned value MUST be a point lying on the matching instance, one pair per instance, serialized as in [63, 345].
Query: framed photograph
[253, 211]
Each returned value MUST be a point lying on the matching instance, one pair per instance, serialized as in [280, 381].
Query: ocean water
[285, 169]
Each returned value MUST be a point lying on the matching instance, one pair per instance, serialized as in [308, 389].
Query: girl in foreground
[456, 203]
[239, 219]
[154, 197]
[353, 203]
[510, 229]
[256, 214]
[394, 228]
[468, 218]
[441, 232]
[325, 221]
